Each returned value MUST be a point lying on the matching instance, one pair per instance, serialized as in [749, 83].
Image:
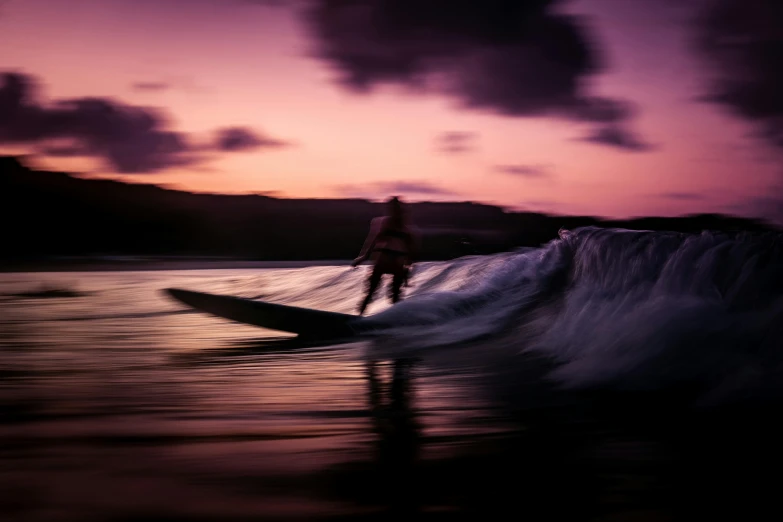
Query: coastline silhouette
[103, 220]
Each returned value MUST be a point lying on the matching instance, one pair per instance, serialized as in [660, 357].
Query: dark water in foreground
[602, 377]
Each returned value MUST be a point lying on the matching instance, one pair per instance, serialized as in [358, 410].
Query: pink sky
[231, 63]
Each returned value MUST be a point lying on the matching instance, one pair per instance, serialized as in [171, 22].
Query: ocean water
[609, 374]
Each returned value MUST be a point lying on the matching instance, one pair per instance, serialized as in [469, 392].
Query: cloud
[128, 138]
[150, 86]
[455, 142]
[618, 137]
[390, 188]
[268, 3]
[63, 151]
[513, 58]
[182, 83]
[768, 207]
[545, 207]
[413, 187]
[683, 196]
[234, 139]
[742, 42]
[525, 171]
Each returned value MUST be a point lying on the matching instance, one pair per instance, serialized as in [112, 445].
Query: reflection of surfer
[398, 433]
[392, 242]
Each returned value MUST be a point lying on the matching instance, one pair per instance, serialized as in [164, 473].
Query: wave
[632, 310]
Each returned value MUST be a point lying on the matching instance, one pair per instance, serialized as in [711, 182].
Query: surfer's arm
[369, 243]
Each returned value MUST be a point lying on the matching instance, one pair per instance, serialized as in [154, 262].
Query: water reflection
[267, 347]
[204, 419]
[397, 430]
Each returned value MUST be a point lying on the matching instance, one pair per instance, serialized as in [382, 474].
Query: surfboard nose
[187, 297]
[176, 293]
[274, 316]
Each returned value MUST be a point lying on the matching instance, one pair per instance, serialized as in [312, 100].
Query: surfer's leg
[375, 386]
[396, 287]
[373, 282]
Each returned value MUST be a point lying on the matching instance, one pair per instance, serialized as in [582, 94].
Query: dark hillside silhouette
[48, 214]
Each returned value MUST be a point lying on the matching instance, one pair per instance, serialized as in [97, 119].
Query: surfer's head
[395, 208]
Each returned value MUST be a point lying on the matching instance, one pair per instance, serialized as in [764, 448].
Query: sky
[600, 107]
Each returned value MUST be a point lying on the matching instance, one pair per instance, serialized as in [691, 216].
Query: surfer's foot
[363, 306]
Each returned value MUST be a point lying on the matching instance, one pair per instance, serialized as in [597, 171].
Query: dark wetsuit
[390, 261]
[399, 234]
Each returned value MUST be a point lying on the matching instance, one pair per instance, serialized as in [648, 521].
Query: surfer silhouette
[392, 243]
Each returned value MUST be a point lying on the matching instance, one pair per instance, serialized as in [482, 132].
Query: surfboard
[305, 322]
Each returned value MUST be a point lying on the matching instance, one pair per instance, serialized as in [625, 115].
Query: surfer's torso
[393, 240]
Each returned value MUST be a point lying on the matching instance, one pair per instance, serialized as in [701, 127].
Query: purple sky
[612, 113]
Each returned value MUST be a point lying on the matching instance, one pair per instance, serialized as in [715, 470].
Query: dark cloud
[130, 139]
[63, 151]
[387, 188]
[545, 207]
[170, 82]
[770, 207]
[512, 57]
[412, 187]
[683, 196]
[742, 42]
[524, 171]
[617, 136]
[150, 86]
[234, 139]
[269, 3]
[455, 142]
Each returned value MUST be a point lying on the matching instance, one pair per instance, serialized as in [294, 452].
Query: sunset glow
[210, 64]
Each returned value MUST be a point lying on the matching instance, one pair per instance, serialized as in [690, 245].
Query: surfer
[392, 243]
